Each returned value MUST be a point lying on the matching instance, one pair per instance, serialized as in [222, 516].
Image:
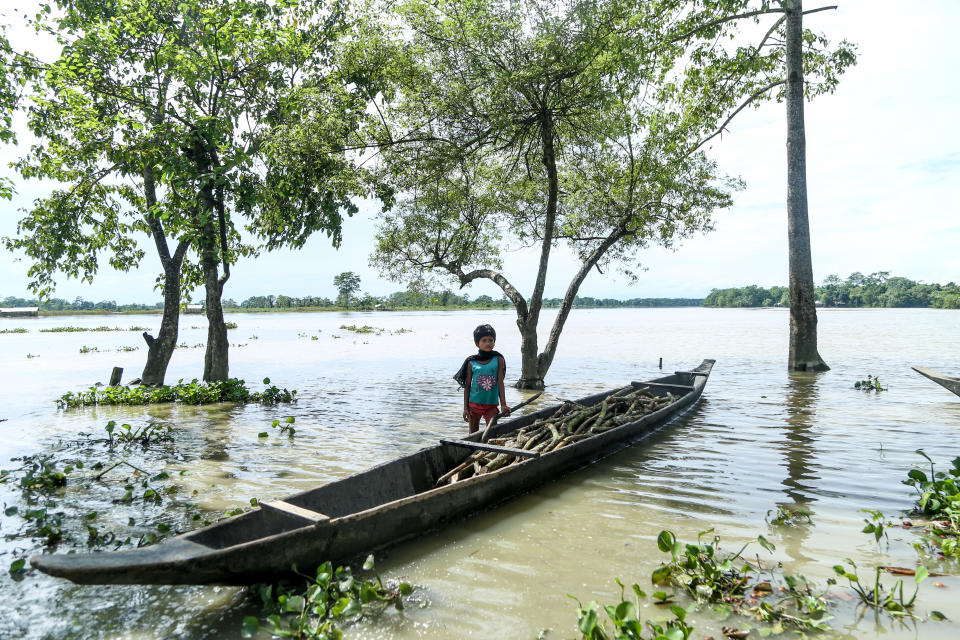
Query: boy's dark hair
[482, 331]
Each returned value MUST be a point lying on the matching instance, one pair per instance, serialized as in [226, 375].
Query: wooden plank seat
[294, 510]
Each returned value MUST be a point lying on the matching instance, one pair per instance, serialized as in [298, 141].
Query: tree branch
[746, 102]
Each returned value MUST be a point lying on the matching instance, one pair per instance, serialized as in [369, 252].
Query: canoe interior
[401, 478]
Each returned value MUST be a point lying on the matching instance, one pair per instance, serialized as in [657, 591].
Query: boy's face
[486, 343]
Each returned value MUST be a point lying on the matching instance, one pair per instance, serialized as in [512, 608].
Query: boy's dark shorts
[485, 411]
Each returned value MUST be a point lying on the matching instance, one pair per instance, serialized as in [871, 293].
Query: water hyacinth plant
[329, 601]
[193, 392]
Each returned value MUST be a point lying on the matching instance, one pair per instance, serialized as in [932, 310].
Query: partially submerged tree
[523, 124]
[797, 52]
[173, 117]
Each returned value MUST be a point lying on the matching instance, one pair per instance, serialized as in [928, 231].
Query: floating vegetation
[938, 498]
[33, 355]
[15, 330]
[128, 348]
[875, 525]
[184, 345]
[327, 602]
[786, 602]
[626, 622]
[374, 330]
[81, 329]
[86, 349]
[878, 596]
[193, 392]
[870, 384]
[51, 514]
[231, 325]
[788, 516]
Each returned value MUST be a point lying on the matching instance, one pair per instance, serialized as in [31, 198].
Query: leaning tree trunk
[531, 376]
[803, 313]
[160, 349]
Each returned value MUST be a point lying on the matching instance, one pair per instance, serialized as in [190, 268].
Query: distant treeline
[401, 300]
[78, 304]
[874, 290]
[445, 299]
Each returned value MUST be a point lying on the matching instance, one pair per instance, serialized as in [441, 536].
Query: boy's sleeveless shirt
[483, 384]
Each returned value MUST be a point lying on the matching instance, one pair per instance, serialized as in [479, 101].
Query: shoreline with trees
[876, 290]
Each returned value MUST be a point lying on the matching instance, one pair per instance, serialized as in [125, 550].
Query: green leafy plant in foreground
[878, 596]
[625, 621]
[723, 580]
[938, 497]
[331, 599]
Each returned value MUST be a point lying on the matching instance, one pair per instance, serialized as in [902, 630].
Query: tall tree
[804, 355]
[798, 52]
[173, 117]
[527, 124]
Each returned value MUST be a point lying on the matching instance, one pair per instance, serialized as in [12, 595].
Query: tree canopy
[580, 124]
[176, 117]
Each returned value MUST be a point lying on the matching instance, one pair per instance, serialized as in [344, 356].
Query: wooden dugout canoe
[947, 382]
[373, 509]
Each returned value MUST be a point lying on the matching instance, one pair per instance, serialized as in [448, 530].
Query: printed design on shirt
[486, 382]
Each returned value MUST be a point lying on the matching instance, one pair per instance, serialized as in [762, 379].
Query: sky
[883, 168]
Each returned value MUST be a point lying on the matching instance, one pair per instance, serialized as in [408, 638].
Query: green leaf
[922, 574]
[661, 575]
[766, 544]
[665, 541]
[588, 622]
[250, 627]
[368, 563]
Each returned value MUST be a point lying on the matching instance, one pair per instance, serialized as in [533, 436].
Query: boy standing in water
[482, 378]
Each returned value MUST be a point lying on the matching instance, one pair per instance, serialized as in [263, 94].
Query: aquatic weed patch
[625, 621]
[193, 392]
[374, 330]
[327, 602]
[15, 330]
[99, 493]
[871, 383]
[730, 585]
[81, 329]
[938, 498]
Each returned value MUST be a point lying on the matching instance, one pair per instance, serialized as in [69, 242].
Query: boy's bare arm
[501, 373]
[466, 394]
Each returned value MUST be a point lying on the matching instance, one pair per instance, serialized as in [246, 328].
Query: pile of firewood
[570, 423]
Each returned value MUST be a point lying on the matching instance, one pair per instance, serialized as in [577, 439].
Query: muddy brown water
[759, 439]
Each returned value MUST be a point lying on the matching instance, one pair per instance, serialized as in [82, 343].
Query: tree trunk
[215, 361]
[160, 349]
[803, 313]
[530, 375]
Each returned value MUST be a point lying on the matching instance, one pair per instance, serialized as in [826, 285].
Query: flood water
[760, 438]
